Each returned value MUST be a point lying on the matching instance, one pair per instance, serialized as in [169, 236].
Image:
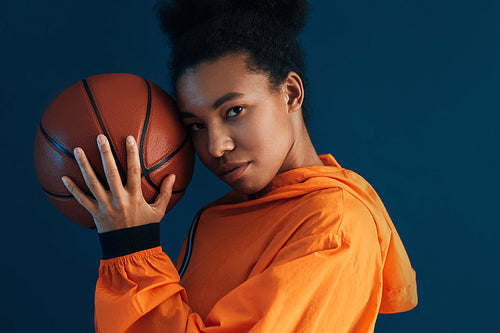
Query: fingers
[109, 164]
[89, 175]
[163, 198]
[80, 196]
[133, 167]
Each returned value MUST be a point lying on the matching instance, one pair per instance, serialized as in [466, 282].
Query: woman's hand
[121, 206]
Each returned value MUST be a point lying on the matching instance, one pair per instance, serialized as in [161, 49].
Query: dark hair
[265, 30]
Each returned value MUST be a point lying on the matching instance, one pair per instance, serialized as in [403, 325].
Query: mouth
[231, 171]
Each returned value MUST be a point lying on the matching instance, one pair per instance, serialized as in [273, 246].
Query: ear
[293, 91]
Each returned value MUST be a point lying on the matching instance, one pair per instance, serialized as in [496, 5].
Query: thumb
[163, 198]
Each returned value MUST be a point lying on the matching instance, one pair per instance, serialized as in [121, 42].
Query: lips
[229, 172]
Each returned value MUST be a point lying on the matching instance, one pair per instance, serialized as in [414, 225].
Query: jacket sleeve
[316, 283]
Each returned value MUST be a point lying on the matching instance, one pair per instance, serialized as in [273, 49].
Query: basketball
[116, 105]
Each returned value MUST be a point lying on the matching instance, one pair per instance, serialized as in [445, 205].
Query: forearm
[138, 288]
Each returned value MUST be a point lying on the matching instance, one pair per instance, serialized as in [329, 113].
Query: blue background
[405, 93]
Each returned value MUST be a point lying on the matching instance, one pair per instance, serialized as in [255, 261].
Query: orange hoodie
[317, 252]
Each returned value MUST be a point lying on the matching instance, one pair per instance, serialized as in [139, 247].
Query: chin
[243, 189]
[247, 189]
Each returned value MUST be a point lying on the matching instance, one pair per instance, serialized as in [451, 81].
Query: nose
[219, 141]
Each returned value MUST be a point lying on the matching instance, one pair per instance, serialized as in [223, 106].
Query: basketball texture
[116, 105]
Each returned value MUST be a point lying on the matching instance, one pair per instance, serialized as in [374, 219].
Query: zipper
[189, 246]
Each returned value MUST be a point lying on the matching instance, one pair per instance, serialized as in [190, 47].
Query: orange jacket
[316, 253]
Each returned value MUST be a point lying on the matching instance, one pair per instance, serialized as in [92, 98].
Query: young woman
[299, 244]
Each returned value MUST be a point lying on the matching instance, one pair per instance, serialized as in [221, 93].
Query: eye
[233, 112]
[195, 127]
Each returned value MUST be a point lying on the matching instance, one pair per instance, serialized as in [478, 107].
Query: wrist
[125, 241]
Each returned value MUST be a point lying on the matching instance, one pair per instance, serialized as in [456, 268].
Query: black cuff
[121, 242]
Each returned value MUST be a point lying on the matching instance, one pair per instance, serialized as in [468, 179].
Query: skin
[254, 124]
[261, 126]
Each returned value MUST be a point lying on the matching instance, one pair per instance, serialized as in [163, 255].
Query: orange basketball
[116, 105]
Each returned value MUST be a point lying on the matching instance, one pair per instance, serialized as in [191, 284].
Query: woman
[299, 244]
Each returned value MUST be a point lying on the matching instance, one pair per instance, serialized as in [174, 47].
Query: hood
[399, 279]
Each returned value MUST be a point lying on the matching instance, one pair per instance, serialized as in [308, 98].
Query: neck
[302, 152]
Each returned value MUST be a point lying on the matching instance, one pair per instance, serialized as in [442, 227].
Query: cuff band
[121, 242]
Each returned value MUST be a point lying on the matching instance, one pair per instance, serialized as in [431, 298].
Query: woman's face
[241, 128]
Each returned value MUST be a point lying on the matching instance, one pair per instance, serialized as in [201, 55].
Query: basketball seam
[145, 125]
[147, 171]
[103, 127]
[58, 146]
[161, 163]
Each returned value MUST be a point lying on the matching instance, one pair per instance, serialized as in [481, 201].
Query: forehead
[204, 84]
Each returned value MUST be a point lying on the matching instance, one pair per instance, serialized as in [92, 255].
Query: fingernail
[130, 140]
[64, 180]
[77, 152]
[101, 139]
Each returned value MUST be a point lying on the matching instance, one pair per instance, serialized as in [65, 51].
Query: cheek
[201, 149]
[269, 133]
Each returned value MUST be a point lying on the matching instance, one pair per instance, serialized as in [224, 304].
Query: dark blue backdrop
[404, 92]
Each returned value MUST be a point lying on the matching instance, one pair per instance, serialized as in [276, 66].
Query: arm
[319, 282]
[316, 282]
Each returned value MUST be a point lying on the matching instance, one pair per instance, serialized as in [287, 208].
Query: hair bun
[178, 16]
[290, 13]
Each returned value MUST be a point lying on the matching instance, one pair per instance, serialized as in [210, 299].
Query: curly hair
[265, 30]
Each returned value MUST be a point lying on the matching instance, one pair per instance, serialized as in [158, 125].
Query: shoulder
[333, 211]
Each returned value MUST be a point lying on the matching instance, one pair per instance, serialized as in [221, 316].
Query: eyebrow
[226, 98]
